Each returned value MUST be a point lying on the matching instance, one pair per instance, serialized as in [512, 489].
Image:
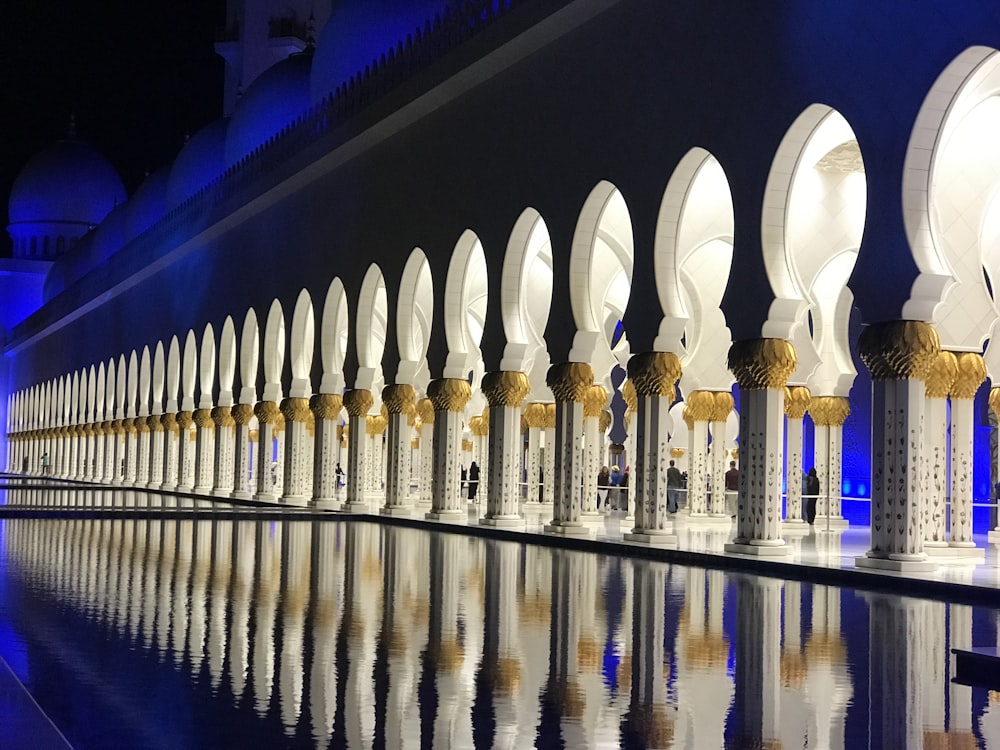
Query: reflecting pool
[221, 632]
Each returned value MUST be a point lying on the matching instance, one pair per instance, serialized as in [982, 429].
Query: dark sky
[138, 74]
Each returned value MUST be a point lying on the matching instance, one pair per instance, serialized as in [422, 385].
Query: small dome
[68, 182]
[148, 205]
[360, 31]
[202, 159]
[275, 99]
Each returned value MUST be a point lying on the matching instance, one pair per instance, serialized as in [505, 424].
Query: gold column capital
[222, 416]
[687, 416]
[326, 405]
[267, 412]
[569, 381]
[242, 413]
[994, 401]
[155, 422]
[941, 375]
[425, 410]
[534, 415]
[677, 453]
[829, 411]
[467, 445]
[358, 402]
[899, 349]
[630, 396]
[449, 394]
[141, 426]
[479, 427]
[506, 388]
[594, 401]
[760, 364]
[701, 406]
[399, 398]
[797, 399]
[203, 419]
[971, 375]
[295, 410]
[550, 416]
[723, 405]
[605, 421]
[654, 373]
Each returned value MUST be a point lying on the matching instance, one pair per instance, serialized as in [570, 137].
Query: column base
[503, 522]
[796, 528]
[898, 566]
[396, 511]
[264, 497]
[967, 554]
[592, 517]
[560, 529]
[325, 503]
[447, 516]
[297, 501]
[652, 538]
[356, 507]
[707, 520]
[836, 522]
[224, 493]
[151, 485]
[758, 550]
[240, 495]
[994, 536]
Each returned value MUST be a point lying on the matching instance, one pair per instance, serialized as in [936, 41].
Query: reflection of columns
[204, 457]
[225, 438]
[593, 407]
[934, 663]
[654, 375]
[326, 409]
[549, 456]
[898, 355]
[960, 696]
[242, 414]
[268, 418]
[297, 486]
[502, 670]
[698, 410]
[534, 415]
[171, 434]
[357, 402]
[896, 629]
[796, 403]
[185, 451]
[828, 686]
[449, 397]
[940, 378]
[761, 367]
[505, 392]
[650, 714]
[758, 661]
[425, 408]
[994, 400]
[400, 401]
[563, 689]
[971, 374]
[569, 383]
[722, 407]
[829, 414]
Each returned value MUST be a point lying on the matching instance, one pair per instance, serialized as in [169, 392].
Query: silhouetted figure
[473, 480]
[674, 482]
[603, 491]
[812, 492]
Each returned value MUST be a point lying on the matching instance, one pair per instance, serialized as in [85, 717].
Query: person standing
[473, 480]
[45, 463]
[674, 482]
[616, 483]
[812, 492]
[732, 488]
[603, 488]
[340, 475]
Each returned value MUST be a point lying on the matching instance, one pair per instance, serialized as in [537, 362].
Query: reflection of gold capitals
[829, 411]
[677, 453]
[793, 669]
[709, 650]
[594, 401]
[506, 388]
[654, 373]
[295, 410]
[723, 405]
[657, 728]
[899, 349]
[467, 446]
[508, 675]
[941, 375]
[223, 416]
[449, 394]
[796, 401]
[267, 412]
[569, 381]
[451, 655]
[994, 696]
[701, 406]
[415, 444]
[630, 397]
[536, 610]
[588, 653]
[826, 647]
[605, 421]
[574, 702]
[242, 414]
[358, 402]
[971, 374]
[399, 398]
[759, 364]
[425, 410]
[326, 405]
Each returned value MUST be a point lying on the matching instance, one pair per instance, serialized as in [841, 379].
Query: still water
[218, 633]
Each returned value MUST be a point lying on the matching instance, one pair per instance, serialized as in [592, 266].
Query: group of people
[612, 488]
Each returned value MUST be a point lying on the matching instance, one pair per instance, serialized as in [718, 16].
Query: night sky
[138, 75]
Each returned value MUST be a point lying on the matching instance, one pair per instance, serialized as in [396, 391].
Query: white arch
[334, 336]
[189, 371]
[465, 299]
[159, 373]
[301, 345]
[274, 352]
[414, 317]
[132, 384]
[206, 372]
[100, 391]
[145, 378]
[227, 362]
[91, 394]
[249, 358]
[370, 329]
[111, 392]
[173, 380]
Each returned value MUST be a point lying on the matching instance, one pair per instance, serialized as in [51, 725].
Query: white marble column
[449, 397]
[698, 409]
[357, 402]
[937, 385]
[549, 456]
[100, 440]
[898, 355]
[131, 450]
[655, 376]
[651, 713]
[326, 408]
[400, 401]
[425, 408]
[204, 456]
[723, 406]
[796, 404]
[242, 416]
[829, 414]
[90, 452]
[594, 402]
[761, 367]
[185, 451]
[971, 375]
[144, 449]
[994, 401]
[171, 449]
[534, 415]
[505, 391]
[225, 445]
[569, 383]
[296, 484]
[269, 419]
[156, 448]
